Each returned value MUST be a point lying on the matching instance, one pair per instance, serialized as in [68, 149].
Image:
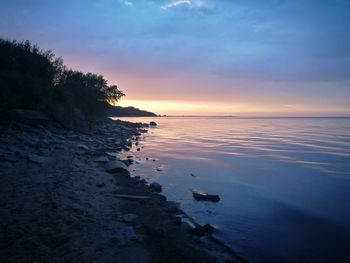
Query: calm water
[284, 183]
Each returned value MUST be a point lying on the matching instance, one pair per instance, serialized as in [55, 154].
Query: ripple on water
[283, 182]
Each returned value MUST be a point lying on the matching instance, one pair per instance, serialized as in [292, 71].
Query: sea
[284, 183]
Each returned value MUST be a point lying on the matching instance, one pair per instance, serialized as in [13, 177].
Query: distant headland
[118, 111]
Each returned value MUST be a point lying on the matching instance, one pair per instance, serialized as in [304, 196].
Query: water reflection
[284, 183]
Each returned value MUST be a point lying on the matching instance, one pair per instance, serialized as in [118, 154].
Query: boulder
[205, 197]
[116, 167]
[155, 187]
[152, 123]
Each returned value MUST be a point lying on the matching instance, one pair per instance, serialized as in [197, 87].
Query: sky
[201, 57]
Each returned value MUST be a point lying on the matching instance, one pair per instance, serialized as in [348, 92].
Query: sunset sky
[203, 57]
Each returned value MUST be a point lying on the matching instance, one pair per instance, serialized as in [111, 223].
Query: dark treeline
[32, 78]
[117, 111]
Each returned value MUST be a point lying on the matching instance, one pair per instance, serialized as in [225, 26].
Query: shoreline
[60, 203]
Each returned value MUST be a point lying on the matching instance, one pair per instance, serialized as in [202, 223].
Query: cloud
[181, 2]
[127, 2]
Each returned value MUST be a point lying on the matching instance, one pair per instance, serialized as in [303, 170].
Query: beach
[61, 201]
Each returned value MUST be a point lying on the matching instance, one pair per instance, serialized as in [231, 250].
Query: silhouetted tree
[35, 79]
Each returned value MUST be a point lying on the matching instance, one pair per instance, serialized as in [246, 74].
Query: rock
[160, 197]
[130, 254]
[73, 136]
[128, 162]
[29, 140]
[205, 197]
[126, 234]
[111, 154]
[177, 220]
[98, 153]
[116, 167]
[143, 181]
[128, 144]
[82, 147]
[134, 197]
[138, 149]
[37, 158]
[171, 207]
[201, 230]
[126, 148]
[7, 158]
[101, 159]
[152, 123]
[154, 231]
[31, 116]
[100, 185]
[129, 218]
[155, 187]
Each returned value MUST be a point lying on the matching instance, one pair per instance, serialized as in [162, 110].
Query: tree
[36, 79]
[112, 94]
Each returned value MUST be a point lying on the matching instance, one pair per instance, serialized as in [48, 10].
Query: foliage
[35, 79]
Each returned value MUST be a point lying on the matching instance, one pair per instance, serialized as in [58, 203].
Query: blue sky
[251, 56]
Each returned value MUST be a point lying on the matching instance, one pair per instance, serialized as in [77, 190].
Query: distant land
[118, 111]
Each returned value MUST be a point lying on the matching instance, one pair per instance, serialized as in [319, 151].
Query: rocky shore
[65, 197]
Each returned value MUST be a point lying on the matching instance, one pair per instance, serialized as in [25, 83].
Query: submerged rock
[152, 123]
[155, 187]
[116, 167]
[205, 197]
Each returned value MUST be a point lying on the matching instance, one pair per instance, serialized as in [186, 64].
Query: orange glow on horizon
[174, 107]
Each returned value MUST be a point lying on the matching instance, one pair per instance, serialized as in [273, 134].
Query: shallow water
[284, 183]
